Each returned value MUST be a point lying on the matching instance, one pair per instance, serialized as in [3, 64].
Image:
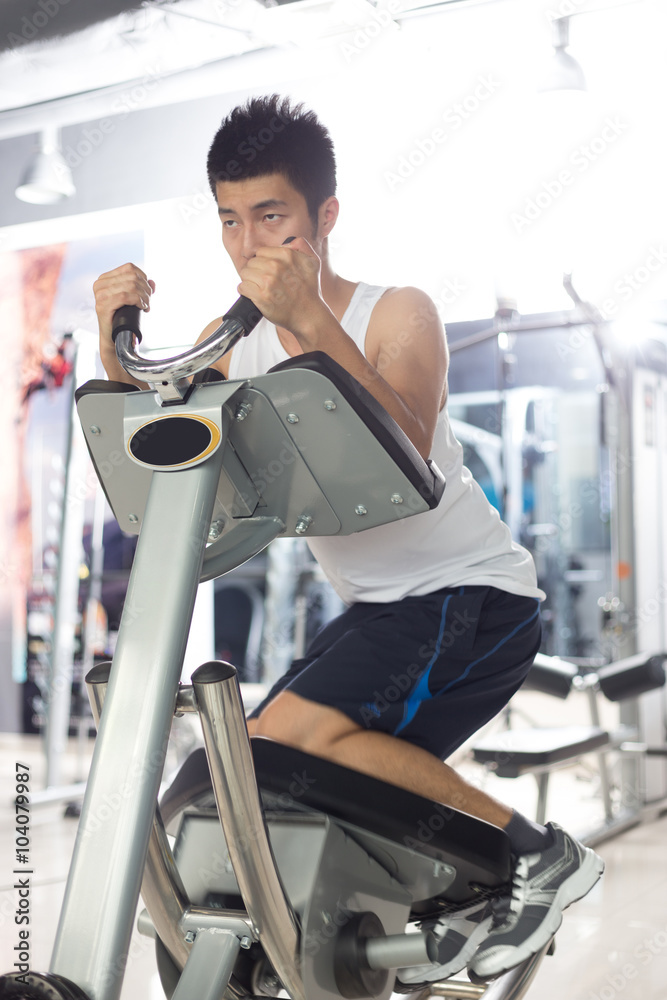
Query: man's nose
[249, 248]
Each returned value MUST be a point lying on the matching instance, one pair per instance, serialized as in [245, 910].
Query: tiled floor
[613, 944]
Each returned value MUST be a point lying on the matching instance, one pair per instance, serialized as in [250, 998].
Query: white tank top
[462, 541]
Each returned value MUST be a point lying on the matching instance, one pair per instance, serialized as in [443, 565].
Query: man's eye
[229, 223]
[271, 217]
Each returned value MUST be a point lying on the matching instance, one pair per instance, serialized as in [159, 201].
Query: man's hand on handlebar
[124, 286]
[284, 283]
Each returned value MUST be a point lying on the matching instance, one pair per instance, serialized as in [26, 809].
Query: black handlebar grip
[246, 312]
[126, 318]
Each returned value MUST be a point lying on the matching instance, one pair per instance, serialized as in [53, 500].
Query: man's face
[261, 212]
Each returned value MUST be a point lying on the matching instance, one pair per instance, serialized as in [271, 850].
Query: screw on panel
[215, 530]
[292, 418]
[329, 404]
[396, 498]
[95, 430]
[360, 510]
[190, 936]
[242, 410]
[245, 941]
[133, 519]
[302, 524]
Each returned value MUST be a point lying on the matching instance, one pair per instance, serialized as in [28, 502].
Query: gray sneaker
[459, 934]
[544, 884]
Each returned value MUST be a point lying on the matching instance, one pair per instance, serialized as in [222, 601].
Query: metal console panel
[287, 439]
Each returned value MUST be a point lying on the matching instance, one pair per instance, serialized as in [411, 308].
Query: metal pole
[67, 587]
[89, 634]
[242, 820]
[168, 909]
[103, 886]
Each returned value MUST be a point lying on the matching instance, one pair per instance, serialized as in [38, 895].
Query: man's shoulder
[405, 305]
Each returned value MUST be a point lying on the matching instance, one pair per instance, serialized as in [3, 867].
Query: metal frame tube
[161, 888]
[67, 587]
[210, 966]
[112, 841]
[398, 951]
[240, 811]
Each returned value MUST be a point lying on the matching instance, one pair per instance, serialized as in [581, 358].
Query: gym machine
[288, 875]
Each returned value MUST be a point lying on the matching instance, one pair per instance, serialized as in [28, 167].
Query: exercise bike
[265, 871]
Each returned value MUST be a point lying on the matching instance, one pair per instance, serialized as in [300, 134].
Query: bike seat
[478, 851]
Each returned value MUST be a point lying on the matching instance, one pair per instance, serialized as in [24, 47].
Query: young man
[443, 620]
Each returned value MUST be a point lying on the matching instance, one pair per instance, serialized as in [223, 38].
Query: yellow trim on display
[216, 437]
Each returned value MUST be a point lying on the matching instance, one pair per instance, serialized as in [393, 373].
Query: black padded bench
[515, 752]
[540, 751]
[477, 850]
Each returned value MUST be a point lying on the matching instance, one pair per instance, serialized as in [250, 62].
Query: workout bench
[539, 751]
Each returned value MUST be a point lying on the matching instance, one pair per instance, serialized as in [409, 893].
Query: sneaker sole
[578, 885]
[456, 964]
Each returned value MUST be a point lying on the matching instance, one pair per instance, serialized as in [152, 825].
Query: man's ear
[327, 216]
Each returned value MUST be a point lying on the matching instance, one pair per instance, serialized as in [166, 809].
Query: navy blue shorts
[431, 670]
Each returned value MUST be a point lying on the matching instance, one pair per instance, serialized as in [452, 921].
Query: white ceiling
[51, 53]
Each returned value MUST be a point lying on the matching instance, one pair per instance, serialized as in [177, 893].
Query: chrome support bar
[399, 951]
[239, 807]
[456, 990]
[96, 681]
[185, 700]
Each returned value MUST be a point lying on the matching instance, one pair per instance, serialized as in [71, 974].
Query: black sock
[527, 837]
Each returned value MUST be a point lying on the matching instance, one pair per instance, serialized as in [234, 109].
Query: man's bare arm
[405, 362]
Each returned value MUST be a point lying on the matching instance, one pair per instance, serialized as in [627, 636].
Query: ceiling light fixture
[47, 179]
[564, 71]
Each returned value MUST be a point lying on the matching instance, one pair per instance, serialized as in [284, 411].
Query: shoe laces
[511, 903]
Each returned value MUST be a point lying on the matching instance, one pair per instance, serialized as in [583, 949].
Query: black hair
[268, 135]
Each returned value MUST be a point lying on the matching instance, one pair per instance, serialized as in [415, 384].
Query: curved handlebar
[236, 323]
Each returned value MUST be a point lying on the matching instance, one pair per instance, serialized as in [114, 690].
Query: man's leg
[327, 732]
[552, 869]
